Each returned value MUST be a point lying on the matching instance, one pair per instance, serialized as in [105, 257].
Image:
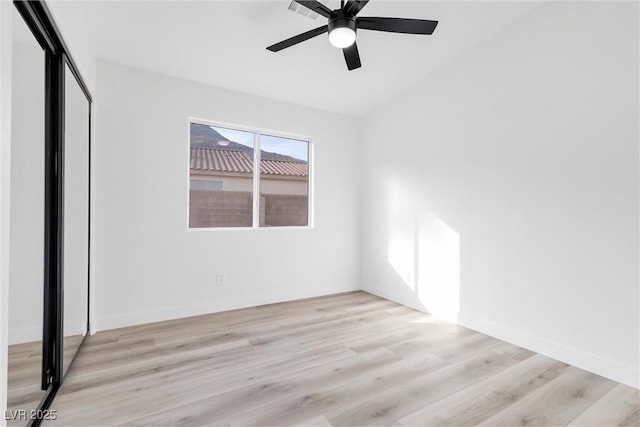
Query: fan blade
[352, 57]
[317, 7]
[354, 6]
[298, 39]
[398, 25]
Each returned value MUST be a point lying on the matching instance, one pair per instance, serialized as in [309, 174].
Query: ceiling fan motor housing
[342, 21]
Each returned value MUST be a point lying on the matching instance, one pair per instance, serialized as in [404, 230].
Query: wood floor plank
[399, 337]
[211, 408]
[207, 374]
[24, 376]
[556, 403]
[474, 404]
[292, 409]
[335, 360]
[620, 407]
[390, 405]
[319, 421]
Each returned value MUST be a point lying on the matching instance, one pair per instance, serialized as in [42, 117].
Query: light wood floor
[25, 374]
[348, 359]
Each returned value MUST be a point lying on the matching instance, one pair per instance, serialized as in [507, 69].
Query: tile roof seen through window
[212, 159]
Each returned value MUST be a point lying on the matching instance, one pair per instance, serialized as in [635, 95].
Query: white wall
[6, 10]
[149, 266]
[503, 190]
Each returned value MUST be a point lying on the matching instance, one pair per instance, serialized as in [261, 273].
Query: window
[223, 181]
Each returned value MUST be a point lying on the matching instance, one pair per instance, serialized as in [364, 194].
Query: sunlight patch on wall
[401, 250]
[424, 251]
[439, 266]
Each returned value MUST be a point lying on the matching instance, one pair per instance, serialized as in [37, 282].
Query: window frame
[256, 131]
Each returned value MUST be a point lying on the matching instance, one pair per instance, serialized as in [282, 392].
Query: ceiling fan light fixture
[343, 24]
[342, 37]
[342, 31]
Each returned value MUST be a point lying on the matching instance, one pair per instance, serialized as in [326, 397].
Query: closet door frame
[39, 20]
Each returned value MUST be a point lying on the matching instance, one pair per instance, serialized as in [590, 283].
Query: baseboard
[114, 321]
[611, 369]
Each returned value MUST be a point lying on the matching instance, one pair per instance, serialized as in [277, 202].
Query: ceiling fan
[343, 24]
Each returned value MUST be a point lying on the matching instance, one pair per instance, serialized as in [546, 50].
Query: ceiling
[222, 43]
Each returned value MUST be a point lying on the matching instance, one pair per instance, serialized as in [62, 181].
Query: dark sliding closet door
[50, 237]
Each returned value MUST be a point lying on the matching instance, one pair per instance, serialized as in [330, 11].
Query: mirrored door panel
[26, 274]
[76, 217]
[49, 217]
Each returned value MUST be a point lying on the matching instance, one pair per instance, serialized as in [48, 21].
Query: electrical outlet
[220, 279]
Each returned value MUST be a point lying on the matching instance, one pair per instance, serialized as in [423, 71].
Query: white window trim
[256, 171]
